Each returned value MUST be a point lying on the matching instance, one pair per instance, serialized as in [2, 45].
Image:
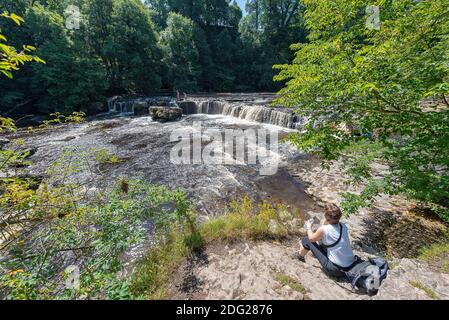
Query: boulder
[95, 108]
[165, 114]
[140, 108]
[29, 152]
[30, 121]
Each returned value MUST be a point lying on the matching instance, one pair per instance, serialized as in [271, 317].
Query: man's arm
[315, 236]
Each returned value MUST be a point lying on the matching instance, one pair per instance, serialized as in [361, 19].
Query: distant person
[334, 250]
[178, 97]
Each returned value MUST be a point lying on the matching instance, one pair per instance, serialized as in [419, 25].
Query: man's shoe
[299, 257]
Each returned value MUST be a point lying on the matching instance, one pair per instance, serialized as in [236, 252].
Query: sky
[241, 3]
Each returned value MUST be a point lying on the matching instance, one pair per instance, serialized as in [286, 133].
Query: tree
[114, 51]
[70, 79]
[160, 10]
[181, 53]
[133, 46]
[267, 32]
[10, 58]
[225, 69]
[376, 96]
[206, 77]
[124, 47]
[216, 29]
[123, 36]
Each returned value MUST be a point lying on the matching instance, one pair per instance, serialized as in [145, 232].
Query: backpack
[367, 275]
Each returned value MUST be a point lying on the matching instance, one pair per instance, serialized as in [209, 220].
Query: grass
[103, 156]
[437, 256]
[243, 221]
[430, 293]
[152, 274]
[286, 280]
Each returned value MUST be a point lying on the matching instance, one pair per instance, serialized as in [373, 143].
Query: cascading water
[118, 105]
[276, 116]
[127, 105]
[243, 110]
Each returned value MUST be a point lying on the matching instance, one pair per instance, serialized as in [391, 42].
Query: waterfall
[118, 105]
[258, 113]
[130, 105]
[276, 116]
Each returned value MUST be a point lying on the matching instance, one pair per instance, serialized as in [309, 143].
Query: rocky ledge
[165, 114]
[266, 270]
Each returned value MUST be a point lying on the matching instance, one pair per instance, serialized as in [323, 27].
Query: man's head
[332, 213]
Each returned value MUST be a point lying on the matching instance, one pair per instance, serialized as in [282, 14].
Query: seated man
[334, 251]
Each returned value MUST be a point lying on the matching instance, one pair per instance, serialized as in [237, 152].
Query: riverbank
[217, 266]
[415, 245]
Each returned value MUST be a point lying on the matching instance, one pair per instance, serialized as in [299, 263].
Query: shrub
[376, 96]
[245, 220]
[59, 224]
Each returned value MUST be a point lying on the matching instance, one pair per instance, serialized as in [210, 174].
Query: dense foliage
[11, 59]
[62, 236]
[377, 95]
[142, 47]
[66, 224]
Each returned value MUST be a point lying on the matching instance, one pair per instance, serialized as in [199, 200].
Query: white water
[278, 117]
[240, 110]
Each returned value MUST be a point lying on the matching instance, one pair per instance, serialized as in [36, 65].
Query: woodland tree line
[136, 47]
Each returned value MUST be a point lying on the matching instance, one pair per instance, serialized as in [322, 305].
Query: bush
[376, 96]
[151, 277]
[244, 220]
[45, 230]
[103, 156]
[437, 256]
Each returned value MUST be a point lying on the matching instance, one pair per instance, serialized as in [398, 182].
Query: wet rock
[140, 108]
[188, 107]
[165, 114]
[29, 152]
[3, 142]
[30, 121]
[96, 108]
[69, 138]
